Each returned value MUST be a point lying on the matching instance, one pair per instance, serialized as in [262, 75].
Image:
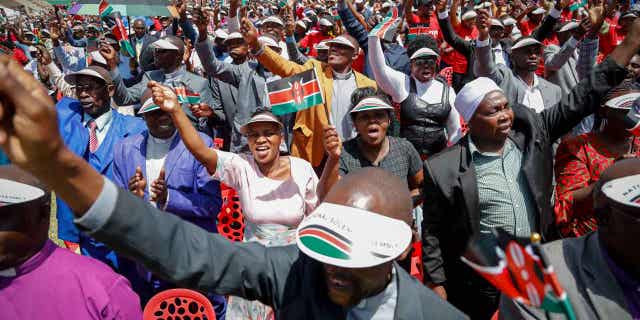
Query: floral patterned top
[579, 162]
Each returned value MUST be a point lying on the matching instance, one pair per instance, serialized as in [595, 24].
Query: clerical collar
[342, 76]
[34, 262]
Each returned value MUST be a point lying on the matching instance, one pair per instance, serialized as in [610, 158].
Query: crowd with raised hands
[372, 148]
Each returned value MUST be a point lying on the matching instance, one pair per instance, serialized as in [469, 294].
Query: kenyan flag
[386, 28]
[298, 92]
[326, 242]
[187, 96]
[104, 9]
[113, 20]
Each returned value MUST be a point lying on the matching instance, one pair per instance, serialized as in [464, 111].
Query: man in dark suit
[600, 272]
[500, 175]
[140, 42]
[342, 267]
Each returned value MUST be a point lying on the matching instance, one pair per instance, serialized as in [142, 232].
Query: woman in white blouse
[276, 192]
[428, 119]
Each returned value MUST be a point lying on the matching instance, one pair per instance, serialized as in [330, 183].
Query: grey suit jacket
[584, 274]
[514, 89]
[282, 277]
[127, 96]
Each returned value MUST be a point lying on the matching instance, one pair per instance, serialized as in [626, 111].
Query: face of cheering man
[273, 28]
[634, 67]
[168, 60]
[526, 58]
[238, 50]
[341, 55]
[377, 191]
[139, 28]
[94, 95]
[492, 120]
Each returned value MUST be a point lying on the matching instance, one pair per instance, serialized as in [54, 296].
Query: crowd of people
[440, 122]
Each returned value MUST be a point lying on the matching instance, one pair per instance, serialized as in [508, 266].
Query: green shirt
[505, 200]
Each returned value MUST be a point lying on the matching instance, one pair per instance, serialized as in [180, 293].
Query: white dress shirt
[533, 96]
[157, 151]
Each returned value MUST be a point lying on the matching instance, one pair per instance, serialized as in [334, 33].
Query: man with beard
[91, 128]
[500, 175]
[156, 166]
[520, 84]
[168, 55]
[600, 271]
[337, 80]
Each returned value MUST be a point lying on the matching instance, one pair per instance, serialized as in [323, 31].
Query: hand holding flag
[164, 97]
[520, 273]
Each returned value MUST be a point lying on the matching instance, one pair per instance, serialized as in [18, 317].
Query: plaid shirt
[505, 200]
[402, 160]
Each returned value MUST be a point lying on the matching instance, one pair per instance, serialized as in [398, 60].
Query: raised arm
[267, 57]
[353, 26]
[390, 81]
[450, 36]
[554, 60]
[167, 100]
[549, 22]
[485, 66]
[216, 69]
[584, 99]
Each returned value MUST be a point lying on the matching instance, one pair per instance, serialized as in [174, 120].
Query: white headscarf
[470, 96]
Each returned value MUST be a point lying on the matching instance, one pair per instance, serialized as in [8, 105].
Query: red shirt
[19, 56]
[526, 27]
[579, 162]
[311, 40]
[455, 59]
[611, 39]
[418, 25]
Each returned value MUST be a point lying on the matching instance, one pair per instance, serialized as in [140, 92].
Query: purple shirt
[58, 284]
[630, 287]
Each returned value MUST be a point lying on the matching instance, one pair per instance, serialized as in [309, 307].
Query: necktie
[93, 138]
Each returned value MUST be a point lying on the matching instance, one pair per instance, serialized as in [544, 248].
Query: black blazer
[451, 214]
[282, 277]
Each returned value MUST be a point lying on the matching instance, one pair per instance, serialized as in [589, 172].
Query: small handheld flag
[298, 92]
[385, 30]
[523, 274]
[113, 20]
[187, 96]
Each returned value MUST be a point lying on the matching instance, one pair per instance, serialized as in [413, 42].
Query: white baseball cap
[424, 52]
[341, 40]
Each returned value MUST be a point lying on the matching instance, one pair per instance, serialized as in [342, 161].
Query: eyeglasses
[424, 62]
[87, 87]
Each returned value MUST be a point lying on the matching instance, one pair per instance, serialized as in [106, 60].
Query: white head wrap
[470, 96]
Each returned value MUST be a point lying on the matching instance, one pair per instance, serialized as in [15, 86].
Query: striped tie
[93, 138]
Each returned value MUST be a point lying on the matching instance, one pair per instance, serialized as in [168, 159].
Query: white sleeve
[311, 191]
[453, 127]
[389, 80]
[231, 169]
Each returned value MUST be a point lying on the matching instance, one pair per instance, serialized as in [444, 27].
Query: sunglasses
[428, 62]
